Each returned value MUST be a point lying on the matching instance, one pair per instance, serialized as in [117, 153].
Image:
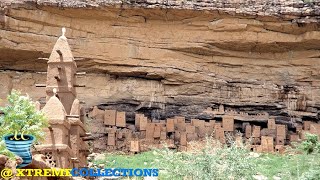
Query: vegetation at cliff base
[225, 162]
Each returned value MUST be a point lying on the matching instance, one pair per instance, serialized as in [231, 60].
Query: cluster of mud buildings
[176, 132]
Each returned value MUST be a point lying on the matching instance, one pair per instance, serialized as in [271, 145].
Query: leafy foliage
[208, 163]
[311, 144]
[5, 151]
[116, 160]
[20, 116]
[308, 1]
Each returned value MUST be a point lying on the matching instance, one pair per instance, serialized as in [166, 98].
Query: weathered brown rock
[3, 159]
[39, 162]
[170, 58]
[7, 163]
[188, 54]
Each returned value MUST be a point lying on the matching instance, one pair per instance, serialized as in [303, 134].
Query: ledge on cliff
[304, 11]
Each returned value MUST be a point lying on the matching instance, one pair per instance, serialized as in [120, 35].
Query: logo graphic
[80, 172]
[6, 173]
[20, 148]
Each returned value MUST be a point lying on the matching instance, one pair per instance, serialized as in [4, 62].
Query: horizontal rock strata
[171, 58]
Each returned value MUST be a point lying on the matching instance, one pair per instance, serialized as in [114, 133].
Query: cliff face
[174, 57]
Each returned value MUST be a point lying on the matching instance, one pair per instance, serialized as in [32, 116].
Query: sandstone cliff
[167, 58]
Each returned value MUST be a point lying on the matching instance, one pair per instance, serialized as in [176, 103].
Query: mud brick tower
[61, 73]
[63, 145]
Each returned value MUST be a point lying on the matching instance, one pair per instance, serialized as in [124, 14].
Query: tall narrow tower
[61, 73]
[63, 146]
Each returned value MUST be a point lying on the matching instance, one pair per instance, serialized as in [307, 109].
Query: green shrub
[20, 117]
[313, 173]
[308, 1]
[311, 144]
[5, 151]
[208, 163]
[211, 161]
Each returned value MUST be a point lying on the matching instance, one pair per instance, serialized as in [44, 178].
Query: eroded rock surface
[166, 58]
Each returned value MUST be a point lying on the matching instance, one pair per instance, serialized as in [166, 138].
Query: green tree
[311, 144]
[21, 118]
